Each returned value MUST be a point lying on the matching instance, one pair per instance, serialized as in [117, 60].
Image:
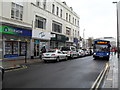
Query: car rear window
[65, 49]
[51, 51]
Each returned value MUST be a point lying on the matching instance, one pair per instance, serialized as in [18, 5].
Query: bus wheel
[107, 58]
[94, 58]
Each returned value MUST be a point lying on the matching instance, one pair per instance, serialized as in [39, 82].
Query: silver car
[55, 55]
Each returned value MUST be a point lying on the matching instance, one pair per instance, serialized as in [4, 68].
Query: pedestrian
[43, 50]
[115, 51]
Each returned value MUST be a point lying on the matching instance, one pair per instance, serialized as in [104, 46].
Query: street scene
[74, 73]
[59, 44]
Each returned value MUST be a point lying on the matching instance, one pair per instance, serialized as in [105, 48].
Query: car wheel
[57, 59]
[45, 61]
[72, 56]
[66, 58]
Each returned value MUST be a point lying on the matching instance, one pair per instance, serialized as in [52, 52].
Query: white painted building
[52, 22]
[15, 29]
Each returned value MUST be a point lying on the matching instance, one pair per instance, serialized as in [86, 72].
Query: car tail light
[53, 55]
[70, 52]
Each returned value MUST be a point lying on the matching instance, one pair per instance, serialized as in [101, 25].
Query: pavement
[111, 79]
[7, 64]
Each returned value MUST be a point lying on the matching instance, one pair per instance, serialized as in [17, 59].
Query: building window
[69, 18]
[66, 16]
[68, 31]
[73, 20]
[78, 22]
[44, 4]
[53, 8]
[78, 33]
[73, 32]
[57, 27]
[40, 22]
[37, 3]
[17, 11]
[57, 13]
[61, 13]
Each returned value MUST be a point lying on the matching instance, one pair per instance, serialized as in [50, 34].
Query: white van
[70, 51]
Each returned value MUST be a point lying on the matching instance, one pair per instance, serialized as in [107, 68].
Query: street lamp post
[117, 29]
[84, 39]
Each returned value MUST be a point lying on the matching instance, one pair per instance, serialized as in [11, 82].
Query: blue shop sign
[10, 55]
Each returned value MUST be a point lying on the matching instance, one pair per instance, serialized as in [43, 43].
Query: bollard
[2, 74]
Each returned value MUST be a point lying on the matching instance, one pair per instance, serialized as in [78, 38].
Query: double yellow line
[99, 79]
[20, 68]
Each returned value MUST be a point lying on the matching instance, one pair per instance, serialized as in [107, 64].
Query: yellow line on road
[23, 67]
[99, 78]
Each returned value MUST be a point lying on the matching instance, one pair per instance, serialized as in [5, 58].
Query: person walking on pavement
[43, 50]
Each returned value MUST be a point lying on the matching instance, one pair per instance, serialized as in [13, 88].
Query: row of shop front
[20, 42]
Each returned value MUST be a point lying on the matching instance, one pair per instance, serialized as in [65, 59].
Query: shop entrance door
[36, 49]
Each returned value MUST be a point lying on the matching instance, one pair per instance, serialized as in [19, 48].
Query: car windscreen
[65, 49]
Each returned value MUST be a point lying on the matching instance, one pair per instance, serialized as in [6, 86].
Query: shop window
[40, 22]
[17, 11]
[56, 27]
[11, 48]
[23, 48]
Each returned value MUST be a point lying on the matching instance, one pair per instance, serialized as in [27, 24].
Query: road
[76, 73]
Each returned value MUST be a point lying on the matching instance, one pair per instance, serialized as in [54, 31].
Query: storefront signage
[15, 31]
[58, 37]
[10, 55]
[36, 41]
[41, 34]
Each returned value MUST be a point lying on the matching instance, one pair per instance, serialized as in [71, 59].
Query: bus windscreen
[101, 48]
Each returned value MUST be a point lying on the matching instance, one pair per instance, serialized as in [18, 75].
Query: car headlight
[94, 53]
[107, 53]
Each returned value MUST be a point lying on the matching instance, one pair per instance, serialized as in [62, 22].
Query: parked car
[86, 51]
[54, 54]
[81, 52]
[70, 51]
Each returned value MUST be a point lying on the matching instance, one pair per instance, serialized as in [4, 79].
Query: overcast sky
[97, 17]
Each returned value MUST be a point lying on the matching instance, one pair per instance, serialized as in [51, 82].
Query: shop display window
[15, 48]
[8, 47]
[11, 49]
[23, 48]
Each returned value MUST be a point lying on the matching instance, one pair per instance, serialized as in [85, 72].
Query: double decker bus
[101, 49]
